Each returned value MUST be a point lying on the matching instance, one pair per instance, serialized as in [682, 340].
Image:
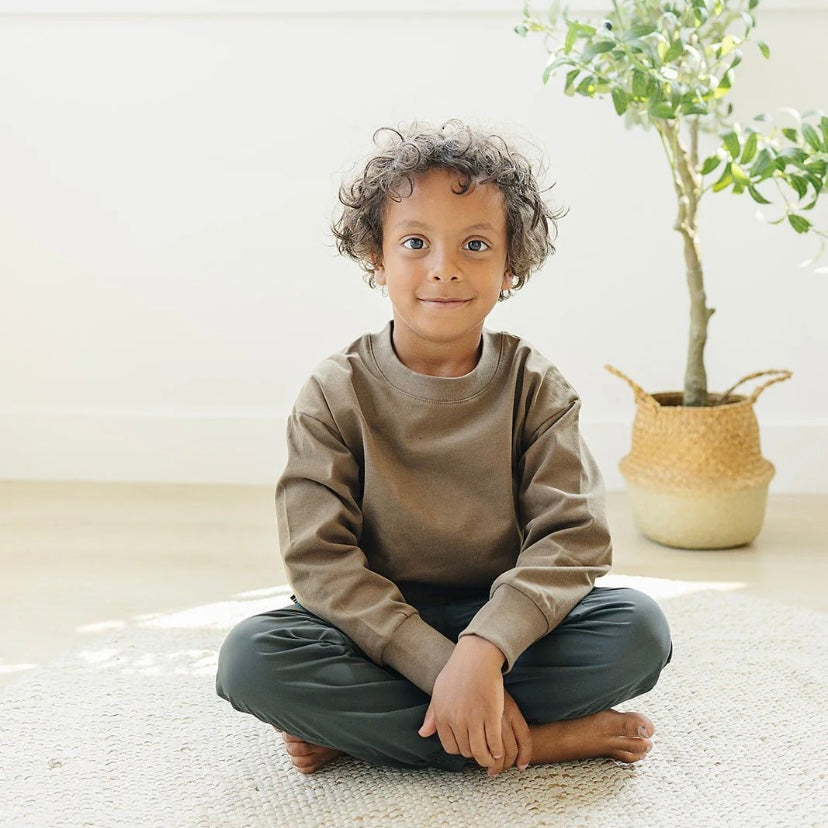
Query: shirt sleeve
[566, 543]
[319, 515]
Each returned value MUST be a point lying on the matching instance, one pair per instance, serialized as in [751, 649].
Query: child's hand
[466, 707]
[517, 740]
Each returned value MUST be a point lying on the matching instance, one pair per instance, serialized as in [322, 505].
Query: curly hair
[478, 158]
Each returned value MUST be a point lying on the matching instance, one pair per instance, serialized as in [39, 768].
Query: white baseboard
[248, 448]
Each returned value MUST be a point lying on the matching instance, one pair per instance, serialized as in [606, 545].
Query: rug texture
[129, 731]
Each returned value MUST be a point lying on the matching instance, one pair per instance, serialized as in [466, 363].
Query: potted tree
[695, 472]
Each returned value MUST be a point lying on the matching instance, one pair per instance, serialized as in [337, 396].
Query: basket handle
[640, 394]
[781, 376]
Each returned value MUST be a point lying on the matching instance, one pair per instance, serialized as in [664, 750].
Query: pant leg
[611, 648]
[298, 672]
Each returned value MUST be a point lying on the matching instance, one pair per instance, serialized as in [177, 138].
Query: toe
[627, 756]
[645, 728]
[635, 745]
[636, 725]
[298, 749]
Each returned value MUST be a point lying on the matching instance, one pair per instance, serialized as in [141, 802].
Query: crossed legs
[303, 676]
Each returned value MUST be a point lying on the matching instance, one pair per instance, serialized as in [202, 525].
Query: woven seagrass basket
[696, 476]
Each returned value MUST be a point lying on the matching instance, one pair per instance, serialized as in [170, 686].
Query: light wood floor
[79, 558]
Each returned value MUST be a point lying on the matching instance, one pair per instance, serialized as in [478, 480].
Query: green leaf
[763, 48]
[791, 155]
[662, 110]
[570, 79]
[725, 181]
[750, 148]
[694, 108]
[587, 87]
[710, 164]
[550, 69]
[816, 182]
[799, 223]
[812, 137]
[800, 184]
[620, 100]
[700, 14]
[728, 45]
[757, 196]
[593, 49]
[739, 175]
[823, 125]
[725, 84]
[791, 134]
[817, 168]
[637, 32]
[731, 142]
[676, 50]
[764, 164]
[639, 84]
[571, 37]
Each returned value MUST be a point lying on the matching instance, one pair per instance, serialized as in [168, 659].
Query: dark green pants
[293, 670]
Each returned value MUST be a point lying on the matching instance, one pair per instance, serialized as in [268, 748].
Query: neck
[451, 359]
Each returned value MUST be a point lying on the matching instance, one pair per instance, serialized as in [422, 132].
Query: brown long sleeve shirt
[403, 489]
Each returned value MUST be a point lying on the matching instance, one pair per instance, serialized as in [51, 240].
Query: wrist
[483, 649]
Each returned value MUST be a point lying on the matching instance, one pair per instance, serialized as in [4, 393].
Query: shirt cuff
[418, 651]
[510, 621]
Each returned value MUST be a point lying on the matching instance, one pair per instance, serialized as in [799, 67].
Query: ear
[379, 271]
[508, 280]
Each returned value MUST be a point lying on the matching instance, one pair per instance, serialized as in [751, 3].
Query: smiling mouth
[446, 302]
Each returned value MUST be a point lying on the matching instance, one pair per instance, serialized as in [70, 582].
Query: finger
[495, 769]
[480, 748]
[494, 737]
[510, 745]
[509, 753]
[524, 742]
[449, 741]
[429, 727]
[461, 738]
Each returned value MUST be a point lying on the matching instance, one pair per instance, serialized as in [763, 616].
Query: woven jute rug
[129, 731]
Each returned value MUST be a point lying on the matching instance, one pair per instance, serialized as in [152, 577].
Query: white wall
[166, 182]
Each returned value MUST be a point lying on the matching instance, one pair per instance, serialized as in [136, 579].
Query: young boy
[441, 520]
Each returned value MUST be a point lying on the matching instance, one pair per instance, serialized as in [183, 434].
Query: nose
[444, 268]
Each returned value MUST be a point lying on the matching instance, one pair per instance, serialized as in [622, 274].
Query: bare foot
[622, 736]
[306, 757]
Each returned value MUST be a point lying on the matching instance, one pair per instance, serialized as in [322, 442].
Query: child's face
[444, 258]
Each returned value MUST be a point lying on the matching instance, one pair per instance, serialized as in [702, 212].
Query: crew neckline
[435, 389]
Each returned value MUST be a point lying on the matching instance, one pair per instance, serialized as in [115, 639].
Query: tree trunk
[687, 184]
[695, 375]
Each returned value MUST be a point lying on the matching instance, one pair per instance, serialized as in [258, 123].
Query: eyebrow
[419, 224]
